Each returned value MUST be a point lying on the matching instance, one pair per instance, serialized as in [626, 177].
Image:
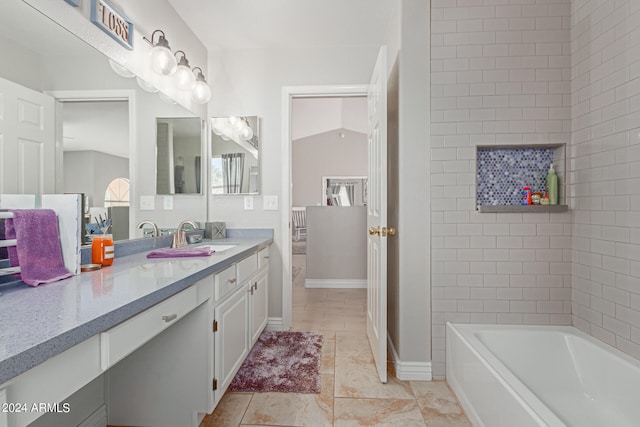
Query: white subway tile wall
[604, 188]
[501, 74]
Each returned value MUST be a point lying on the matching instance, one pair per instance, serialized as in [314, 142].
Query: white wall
[500, 75]
[605, 167]
[250, 82]
[28, 74]
[325, 154]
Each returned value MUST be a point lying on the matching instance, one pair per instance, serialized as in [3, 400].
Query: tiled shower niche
[503, 170]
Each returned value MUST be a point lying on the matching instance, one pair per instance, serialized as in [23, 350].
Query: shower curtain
[232, 172]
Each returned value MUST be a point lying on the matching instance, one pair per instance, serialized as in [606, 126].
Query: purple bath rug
[282, 361]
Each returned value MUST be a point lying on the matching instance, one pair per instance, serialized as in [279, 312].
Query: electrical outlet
[147, 203]
[270, 203]
[168, 203]
[248, 203]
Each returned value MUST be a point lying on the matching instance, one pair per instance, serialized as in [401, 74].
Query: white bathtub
[541, 376]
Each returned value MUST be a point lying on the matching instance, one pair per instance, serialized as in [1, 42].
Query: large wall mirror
[344, 191]
[235, 155]
[179, 155]
[94, 114]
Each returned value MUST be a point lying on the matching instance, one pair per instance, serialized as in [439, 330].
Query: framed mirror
[95, 114]
[235, 155]
[179, 155]
[344, 191]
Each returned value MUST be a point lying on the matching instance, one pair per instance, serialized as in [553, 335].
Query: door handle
[382, 231]
[388, 231]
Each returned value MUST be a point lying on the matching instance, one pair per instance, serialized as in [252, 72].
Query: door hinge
[215, 326]
[214, 384]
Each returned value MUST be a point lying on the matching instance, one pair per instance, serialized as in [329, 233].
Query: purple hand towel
[37, 250]
[181, 252]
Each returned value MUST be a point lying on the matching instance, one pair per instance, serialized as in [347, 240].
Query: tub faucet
[155, 232]
[179, 239]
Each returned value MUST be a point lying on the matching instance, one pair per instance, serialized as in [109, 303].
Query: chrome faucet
[179, 239]
[155, 232]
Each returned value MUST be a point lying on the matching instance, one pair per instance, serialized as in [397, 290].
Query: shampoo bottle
[552, 186]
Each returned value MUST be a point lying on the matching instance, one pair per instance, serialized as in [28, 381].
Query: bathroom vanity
[167, 335]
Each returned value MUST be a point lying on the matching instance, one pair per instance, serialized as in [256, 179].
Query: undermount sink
[220, 248]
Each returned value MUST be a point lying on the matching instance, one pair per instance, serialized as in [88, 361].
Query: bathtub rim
[465, 332]
[525, 398]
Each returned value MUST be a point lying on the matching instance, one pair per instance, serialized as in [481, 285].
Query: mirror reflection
[235, 155]
[87, 122]
[344, 190]
[178, 155]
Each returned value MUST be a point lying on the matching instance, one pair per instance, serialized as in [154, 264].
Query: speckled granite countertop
[38, 323]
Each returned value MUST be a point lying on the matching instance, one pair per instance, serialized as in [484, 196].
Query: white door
[27, 140]
[377, 216]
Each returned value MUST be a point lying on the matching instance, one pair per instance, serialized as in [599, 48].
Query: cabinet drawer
[263, 257]
[247, 267]
[121, 340]
[225, 282]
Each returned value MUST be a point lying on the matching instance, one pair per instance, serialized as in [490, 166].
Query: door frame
[288, 93]
[128, 95]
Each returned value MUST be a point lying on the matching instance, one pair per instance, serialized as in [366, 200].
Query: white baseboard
[409, 371]
[97, 419]
[335, 283]
[274, 324]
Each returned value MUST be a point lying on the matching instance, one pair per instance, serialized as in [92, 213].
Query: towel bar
[6, 243]
[9, 270]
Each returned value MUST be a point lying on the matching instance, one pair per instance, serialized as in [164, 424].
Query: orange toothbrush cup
[102, 250]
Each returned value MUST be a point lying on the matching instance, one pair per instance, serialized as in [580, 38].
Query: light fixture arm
[162, 41]
[183, 60]
[199, 75]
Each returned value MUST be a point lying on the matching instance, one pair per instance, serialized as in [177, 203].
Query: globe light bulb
[201, 93]
[247, 133]
[162, 60]
[183, 77]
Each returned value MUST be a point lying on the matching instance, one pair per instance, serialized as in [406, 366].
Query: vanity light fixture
[201, 92]
[120, 70]
[162, 60]
[184, 78]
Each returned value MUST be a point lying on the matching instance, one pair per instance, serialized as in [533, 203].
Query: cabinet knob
[170, 317]
[231, 281]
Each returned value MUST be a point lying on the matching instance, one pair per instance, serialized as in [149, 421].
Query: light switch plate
[147, 203]
[270, 203]
[248, 203]
[168, 203]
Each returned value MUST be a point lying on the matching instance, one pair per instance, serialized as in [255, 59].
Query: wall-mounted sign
[74, 3]
[113, 22]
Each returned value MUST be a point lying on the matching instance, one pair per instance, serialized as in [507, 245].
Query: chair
[299, 220]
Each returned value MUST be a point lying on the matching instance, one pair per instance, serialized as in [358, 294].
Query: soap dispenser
[552, 186]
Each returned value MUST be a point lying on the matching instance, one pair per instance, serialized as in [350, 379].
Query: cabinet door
[231, 338]
[259, 304]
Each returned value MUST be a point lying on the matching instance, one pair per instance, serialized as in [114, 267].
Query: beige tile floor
[351, 394]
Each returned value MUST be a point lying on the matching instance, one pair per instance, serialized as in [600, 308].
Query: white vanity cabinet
[231, 342]
[240, 315]
[161, 382]
[258, 296]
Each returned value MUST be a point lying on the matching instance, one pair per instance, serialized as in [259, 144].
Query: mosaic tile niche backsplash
[503, 172]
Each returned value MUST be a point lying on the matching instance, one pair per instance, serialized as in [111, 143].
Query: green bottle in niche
[552, 186]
